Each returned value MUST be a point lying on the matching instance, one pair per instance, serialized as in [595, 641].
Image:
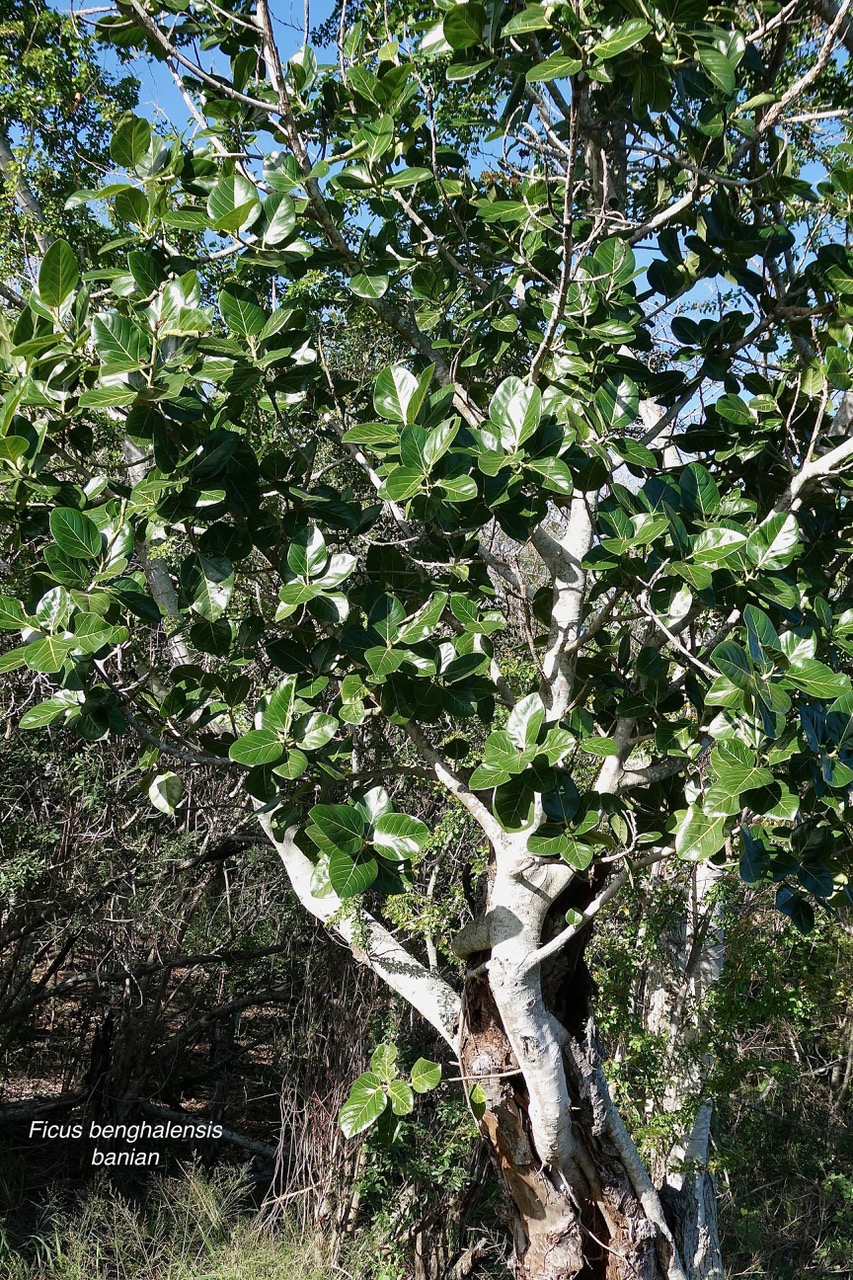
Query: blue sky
[159, 97]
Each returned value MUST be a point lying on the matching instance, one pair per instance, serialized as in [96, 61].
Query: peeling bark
[582, 1205]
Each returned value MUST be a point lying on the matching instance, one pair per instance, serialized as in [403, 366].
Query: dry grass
[195, 1227]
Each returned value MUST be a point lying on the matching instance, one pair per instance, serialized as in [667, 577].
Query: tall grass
[193, 1227]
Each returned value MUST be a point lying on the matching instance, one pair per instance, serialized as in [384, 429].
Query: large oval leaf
[366, 1102]
[75, 534]
[258, 746]
[58, 274]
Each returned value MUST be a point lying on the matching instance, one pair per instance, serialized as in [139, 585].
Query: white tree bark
[676, 1012]
[369, 941]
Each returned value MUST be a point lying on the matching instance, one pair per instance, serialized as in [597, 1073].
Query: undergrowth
[192, 1227]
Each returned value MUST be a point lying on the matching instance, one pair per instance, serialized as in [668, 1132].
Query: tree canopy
[456, 414]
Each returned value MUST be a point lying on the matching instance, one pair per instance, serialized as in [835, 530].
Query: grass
[194, 1227]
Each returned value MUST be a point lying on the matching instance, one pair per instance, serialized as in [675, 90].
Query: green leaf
[615, 258]
[398, 836]
[209, 582]
[463, 25]
[58, 274]
[351, 876]
[437, 442]
[13, 448]
[525, 721]
[13, 659]
[554, 473]
[313, 731]
[75, 534]
[335, 827]
[383, 1061]
[378, 135]
[699, 835]
[165, 792]
[186, 219]
[734, 775]
[459, 488]
[293, 766]
[618, 403]
[366, 1102]
[53, 611]
[91, 633]
[733, 662]
[385, 618]
[278, 713]
[48, 655]
[44, 713]
[733, 409]
[106, 398]
[631, 450]
[762, 637]
[516, 409]
[576, 853]
[513, 803]
[718, 67]
[12, 616]
[258, 746]
[552, 841]
[626, 35]
[233, 204]
[393, 392]
[241, 311]
[401, 1097]
[121, 344]
[599, 746]
[466, 71]
[147, 273]
[557, 67]
[376, 801]
[374, 434]
[406, 178]
[280, 214]
[369, 284]
[383, 662]
[817, 679]
[716, 546]
[793, 905]
[401, 483]
[533, 18]
[426, 1075]
[130, 141]
[775, 542]
[699, 489]
[422, 623]
[307, 555]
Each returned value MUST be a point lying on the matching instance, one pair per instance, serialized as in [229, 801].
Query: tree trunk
[582, 1206]
[591, 1225]
[594, 1224]
[688, 965]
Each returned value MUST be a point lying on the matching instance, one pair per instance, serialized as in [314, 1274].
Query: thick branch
[564, 559]
[829, 11]
[452, 782]
[370, 941]
[571, 931]
[825, 465]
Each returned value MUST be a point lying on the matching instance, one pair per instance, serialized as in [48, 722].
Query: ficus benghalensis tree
[576, 555]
